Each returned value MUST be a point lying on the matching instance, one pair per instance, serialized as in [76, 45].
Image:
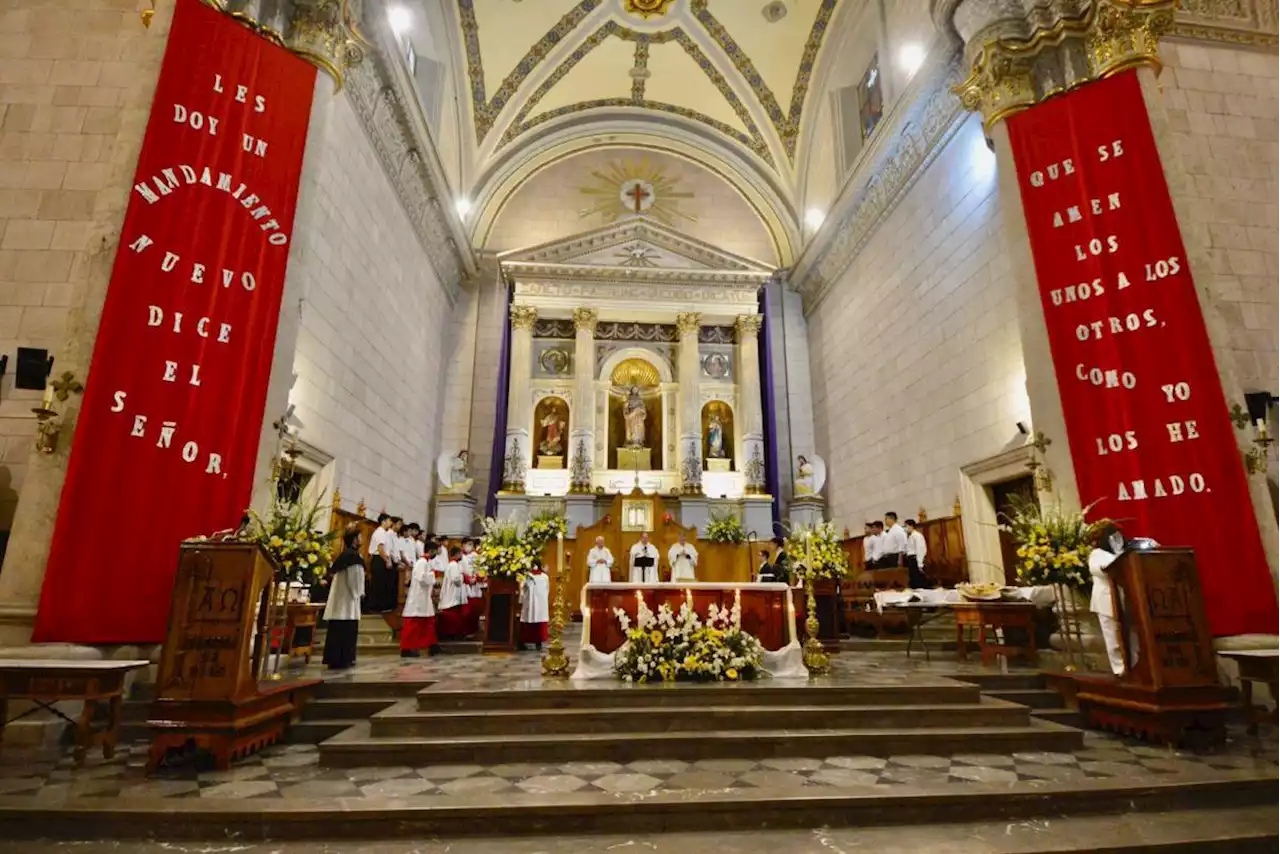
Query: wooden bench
[45, 681]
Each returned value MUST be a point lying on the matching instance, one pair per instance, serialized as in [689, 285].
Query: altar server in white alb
[534, 612]
[644, 549]
[1101, 602]
[683, 558]
[419, 630]
[452, 621]
[600, 563]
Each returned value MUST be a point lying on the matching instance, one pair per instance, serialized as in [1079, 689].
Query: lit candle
[47, 402]
[559, 553]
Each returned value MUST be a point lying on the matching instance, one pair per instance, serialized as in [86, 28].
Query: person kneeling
[533, 607]
[419, 630]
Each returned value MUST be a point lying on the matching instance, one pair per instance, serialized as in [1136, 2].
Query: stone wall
[376, 329]
[1222, 113]
[915, 354]
[76, 81]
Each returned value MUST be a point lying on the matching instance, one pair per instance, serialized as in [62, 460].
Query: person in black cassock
[342, 611]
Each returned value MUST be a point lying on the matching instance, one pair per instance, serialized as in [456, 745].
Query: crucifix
[638, 194]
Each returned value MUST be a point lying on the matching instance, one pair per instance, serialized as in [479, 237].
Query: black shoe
[409, 653]
[538, 647]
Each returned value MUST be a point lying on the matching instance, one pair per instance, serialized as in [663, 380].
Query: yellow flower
[731, 673]
[655, 636]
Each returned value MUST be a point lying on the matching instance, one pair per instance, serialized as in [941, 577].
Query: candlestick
[555, 663]
[46, 402]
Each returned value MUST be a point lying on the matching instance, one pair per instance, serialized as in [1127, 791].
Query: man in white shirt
[683, 558]
[893, 545]
[644, 549]
[871, 546]
[382, 587]
[600, 563]
[1103, 603]
[917, 548]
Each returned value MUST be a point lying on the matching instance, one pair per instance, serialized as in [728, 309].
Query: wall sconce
[49, 420]
[1255, 459]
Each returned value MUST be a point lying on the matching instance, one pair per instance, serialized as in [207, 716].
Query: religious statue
[633, 413]
[811, 475]
[552, 444]
[715, 437]
[453, 475]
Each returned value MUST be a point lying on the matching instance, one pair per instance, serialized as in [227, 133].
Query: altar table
[768, 612]
[48, 681]
[1040, 596]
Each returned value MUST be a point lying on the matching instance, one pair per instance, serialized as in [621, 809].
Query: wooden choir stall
[1169, 690]
[214, 688]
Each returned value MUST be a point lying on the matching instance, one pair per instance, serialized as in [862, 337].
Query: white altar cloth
[1041, 597]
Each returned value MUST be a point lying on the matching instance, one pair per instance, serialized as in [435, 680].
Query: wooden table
[300, 615]
[1257, 665]
[48, 681]
[996, 615]
[918, 615]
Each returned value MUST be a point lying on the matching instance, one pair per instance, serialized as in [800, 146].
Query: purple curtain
[499, 450]
[770, 411]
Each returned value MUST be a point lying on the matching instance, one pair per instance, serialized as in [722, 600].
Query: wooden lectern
[1169, 691]
[211, 690]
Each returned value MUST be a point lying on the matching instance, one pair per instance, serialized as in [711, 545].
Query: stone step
[403, 720]
[357, 746]
[1011, 681]
[945, 649]
[694, 696]
[347, 708]
[1066, 717]
[1110, 816]
[1035, 698]
[389, 690]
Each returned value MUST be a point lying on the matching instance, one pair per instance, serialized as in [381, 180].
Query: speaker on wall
[33, 368]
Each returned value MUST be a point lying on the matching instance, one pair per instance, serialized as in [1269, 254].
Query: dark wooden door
[1002, 495]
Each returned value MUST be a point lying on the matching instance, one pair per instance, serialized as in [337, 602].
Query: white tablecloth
[1041, 597]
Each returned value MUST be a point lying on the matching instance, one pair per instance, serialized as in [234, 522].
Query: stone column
[690, 442]
[518, 415]
[750, 408]
[582, 435]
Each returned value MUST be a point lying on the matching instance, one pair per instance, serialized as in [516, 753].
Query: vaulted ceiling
[725, 83]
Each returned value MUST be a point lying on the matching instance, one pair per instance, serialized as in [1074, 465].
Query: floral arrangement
[544, 528]
[820, 546]
[676, 645]
[289, 532]
[505, 551]
[725, 528]
[1053, 544]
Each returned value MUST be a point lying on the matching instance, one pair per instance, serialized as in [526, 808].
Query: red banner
[1146, 417]
[172, 413]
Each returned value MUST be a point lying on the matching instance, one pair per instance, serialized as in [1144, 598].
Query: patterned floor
[292, 771]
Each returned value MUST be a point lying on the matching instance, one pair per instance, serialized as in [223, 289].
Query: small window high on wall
[858, 111]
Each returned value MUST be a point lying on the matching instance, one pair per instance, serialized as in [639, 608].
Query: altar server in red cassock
[475, 586]
[453, 621]
[419, 631]
[533, 607]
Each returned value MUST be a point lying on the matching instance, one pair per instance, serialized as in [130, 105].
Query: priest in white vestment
[342, 610]
[644, 549]
[1103, 604]
[600, 563]
[683, 558]
[534, 612]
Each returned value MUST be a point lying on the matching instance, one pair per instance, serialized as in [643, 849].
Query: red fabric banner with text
[171, 418]
[1146, 417]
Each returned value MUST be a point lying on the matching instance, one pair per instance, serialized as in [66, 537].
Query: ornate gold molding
[687, 322]
[585, 318]
[748, 325]
[1010, 74]
[523, 317]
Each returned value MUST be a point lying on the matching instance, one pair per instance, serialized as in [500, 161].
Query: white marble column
[750, 407]
[690, 442]
[582, 432]
[518, 445]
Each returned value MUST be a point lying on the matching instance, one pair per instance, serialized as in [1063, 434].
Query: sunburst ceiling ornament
[648, 8]
[631, 188]
[635, 372]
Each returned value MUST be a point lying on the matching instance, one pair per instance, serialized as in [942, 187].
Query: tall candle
[559, 554]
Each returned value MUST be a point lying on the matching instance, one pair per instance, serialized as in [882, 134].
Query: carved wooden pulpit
[1169, 691]
[211, 690]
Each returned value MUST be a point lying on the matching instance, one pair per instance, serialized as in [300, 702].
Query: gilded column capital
[586, 318]
[1016, 61]
[748, 325]
[523, 317]
[688, 322]
[327, 34]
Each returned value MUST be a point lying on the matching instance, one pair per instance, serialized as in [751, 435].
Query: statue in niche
[715, 437]
[452, 471]
[634, 415]
[811, 475]
[552, 444]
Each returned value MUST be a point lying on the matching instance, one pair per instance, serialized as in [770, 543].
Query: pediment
[635, 244]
